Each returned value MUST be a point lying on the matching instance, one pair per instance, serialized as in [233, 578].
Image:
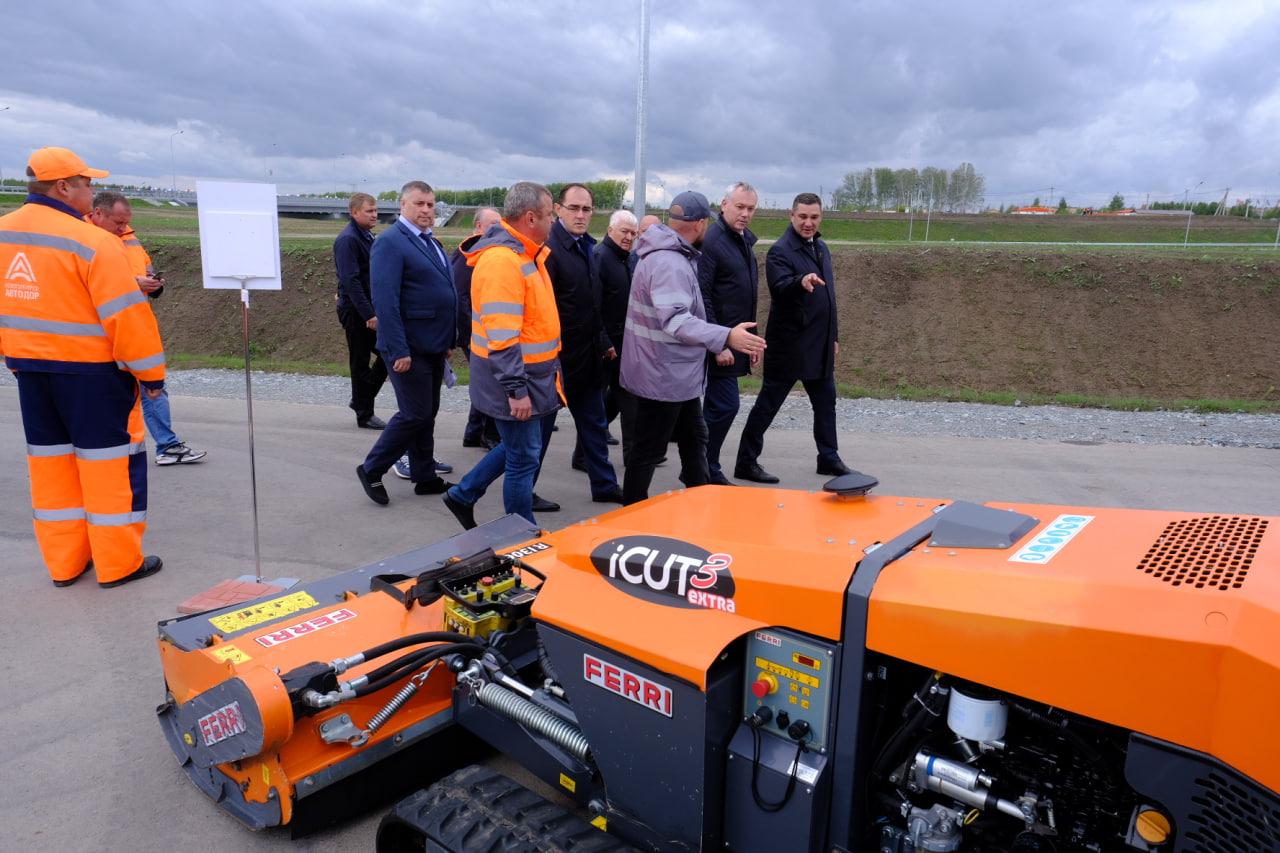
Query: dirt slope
[1160, 325]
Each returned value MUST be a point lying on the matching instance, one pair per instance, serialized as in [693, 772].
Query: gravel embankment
[898, 417]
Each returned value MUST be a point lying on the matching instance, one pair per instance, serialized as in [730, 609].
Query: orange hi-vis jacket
[515, 328]
[139, 260]
[70, 302]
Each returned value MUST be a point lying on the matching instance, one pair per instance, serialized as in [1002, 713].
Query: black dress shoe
[442, 467]
[544, 505]
[465, 513]
[473, 442]
[490, 443]
[375, 490]
[834, 469]
[432, 487]
[610, 440]
[150, 565]
[577, 464]
[70, 581]
[613, 496]
[754, 473]
[371, 422]
[717, 478]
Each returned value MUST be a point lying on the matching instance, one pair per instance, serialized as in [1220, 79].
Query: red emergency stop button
[764, 685]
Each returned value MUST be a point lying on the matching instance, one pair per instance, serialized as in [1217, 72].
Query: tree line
[1210, 208]
[959, 190]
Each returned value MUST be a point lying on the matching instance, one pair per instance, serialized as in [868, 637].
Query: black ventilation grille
[1212, 551]
[1230, 818]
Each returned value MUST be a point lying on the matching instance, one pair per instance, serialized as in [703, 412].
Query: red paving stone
[226, 593]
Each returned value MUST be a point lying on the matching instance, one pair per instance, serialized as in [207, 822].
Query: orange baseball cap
[51, 164]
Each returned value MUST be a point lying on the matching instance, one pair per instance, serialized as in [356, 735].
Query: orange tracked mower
[752, 669]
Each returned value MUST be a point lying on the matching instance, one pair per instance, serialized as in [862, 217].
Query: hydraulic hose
[388, 674]
[415, 639]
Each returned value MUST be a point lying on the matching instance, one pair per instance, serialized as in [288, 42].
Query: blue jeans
[518, 456]
[719, 409]
[155, 413]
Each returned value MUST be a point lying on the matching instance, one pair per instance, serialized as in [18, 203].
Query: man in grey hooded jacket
[664, 349]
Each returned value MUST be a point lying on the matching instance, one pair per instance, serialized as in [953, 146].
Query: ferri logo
[20, 269]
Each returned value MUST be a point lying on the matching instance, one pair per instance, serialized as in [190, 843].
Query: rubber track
[478, 810]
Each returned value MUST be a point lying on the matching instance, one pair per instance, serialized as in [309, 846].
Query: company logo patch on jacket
[20, 279]
[667, 571]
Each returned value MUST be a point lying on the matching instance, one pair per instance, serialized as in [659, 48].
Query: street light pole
[642, 88]
[173, 167]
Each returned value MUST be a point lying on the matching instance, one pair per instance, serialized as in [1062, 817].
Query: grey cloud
[789, 95]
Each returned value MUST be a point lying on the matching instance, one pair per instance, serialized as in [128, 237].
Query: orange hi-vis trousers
[88, 465]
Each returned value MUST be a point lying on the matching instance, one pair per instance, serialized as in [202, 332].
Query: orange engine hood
[671, 582]
[1164, 623]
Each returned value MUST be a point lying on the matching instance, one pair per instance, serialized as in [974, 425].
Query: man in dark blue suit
[416, 306]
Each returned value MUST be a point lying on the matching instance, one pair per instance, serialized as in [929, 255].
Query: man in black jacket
[583, 344]
[355, 309]
[480, 430]
[613, 284]
[802, 338]
[729, 278]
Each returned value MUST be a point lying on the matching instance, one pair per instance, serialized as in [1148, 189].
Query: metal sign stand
[240, 250]
[245, 587]
[248, 399]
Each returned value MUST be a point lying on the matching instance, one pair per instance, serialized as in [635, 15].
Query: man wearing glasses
[584, 345]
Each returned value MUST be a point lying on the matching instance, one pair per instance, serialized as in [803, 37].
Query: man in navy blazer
[416, 306]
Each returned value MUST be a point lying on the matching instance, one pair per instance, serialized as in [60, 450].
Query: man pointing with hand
[802, 338]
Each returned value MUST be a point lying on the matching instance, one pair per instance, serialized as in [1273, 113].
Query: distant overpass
[296, 205]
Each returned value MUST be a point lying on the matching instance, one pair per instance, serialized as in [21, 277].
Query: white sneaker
[179, 454]
[401, 468]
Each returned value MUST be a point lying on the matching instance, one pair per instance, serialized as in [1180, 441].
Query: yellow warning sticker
[600, 822]
[230, 653]
[267, 611]
[568, 784]
[266, 775]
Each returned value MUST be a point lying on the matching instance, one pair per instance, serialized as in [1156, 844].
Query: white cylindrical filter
[976, 719]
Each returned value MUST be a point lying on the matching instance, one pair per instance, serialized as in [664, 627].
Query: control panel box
[793, 676]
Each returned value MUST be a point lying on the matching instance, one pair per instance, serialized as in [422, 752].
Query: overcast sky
[1089, 98]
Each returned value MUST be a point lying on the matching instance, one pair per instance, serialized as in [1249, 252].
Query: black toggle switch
[784, 720]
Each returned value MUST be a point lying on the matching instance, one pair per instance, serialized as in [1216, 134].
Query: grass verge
[751, 385]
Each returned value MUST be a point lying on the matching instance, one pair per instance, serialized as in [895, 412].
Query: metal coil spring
[404, 695]
[563, 733]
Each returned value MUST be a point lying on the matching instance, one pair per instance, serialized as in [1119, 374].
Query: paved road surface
[85, 766]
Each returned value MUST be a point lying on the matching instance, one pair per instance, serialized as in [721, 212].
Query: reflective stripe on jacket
[139, 260]
[667, 336]
[515, 329]
[70, 302]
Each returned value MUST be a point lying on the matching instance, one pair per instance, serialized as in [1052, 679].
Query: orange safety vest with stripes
[139, 260]
[70, 302]
[515, 328]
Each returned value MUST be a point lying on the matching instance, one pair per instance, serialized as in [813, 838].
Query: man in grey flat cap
[664, 349]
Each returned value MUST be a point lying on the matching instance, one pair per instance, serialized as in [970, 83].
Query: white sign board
[239, 235]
